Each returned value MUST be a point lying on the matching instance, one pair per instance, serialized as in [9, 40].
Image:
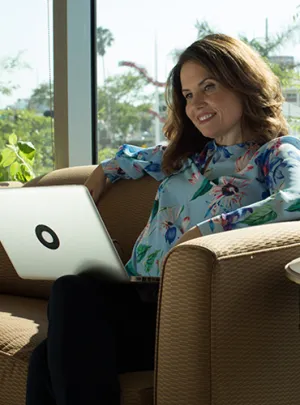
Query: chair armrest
[11, 184]
[68, 175]
[225, 309]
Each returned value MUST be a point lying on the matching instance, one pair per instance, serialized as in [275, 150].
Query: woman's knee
[65, 285]
[69, 292]
[70, 287]
[65, 292]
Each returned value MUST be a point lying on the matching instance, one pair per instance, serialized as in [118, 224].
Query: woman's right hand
[96, 183]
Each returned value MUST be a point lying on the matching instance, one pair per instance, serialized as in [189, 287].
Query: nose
[198, 100]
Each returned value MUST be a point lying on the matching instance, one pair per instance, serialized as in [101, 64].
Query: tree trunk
[103, 70]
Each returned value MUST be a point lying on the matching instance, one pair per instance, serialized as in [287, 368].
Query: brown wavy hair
[238, 68]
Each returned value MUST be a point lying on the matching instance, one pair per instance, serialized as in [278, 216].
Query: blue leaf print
[154, 210]
[226, 152]
[221, 150]
[265, 194]
[152, 167]
[278, 175]
[262, 159]
[212, 225]
[294, 155]
[128, 150]
[171, 234]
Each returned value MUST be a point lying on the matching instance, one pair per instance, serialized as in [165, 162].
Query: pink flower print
[137, 168]
[276, 146]
[159, 148]
[184, 224]
[227, 194]
[242, 163]
[194, 178]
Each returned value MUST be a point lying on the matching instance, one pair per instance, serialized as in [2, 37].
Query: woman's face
[214, 110]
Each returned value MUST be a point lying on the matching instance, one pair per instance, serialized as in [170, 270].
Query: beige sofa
[228, 319]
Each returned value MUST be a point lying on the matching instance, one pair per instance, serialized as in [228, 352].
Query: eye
[188, 96]
[209, 87]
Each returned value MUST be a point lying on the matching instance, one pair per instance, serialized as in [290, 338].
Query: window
[138, 44]
[291, 97]
[26, 89]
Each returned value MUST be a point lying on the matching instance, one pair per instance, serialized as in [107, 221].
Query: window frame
[75, 82]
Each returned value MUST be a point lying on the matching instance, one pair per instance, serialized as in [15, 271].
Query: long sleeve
[133, 162]
[279, 163]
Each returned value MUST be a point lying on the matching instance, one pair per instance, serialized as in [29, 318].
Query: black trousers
[96, 331]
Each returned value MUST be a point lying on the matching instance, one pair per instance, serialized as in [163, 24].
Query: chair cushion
[23, 325]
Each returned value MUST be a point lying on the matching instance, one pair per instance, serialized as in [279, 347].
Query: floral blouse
[219, 189]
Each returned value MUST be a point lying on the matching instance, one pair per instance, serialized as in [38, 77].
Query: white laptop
[48, 232]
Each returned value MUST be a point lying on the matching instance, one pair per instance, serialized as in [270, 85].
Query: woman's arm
[96, 183]
[130, 162]
[133, 162]
[280, 165]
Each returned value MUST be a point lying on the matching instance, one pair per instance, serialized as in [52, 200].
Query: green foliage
[106, 153]
[41, 97]
[123, 107]
[294, 123]
[105, 40]
[288, 75]
[7, 67]
[30, 127]
[16, 160]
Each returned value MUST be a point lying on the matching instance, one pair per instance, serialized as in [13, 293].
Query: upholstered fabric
[228, 324]
[72, 175]
[23, 324]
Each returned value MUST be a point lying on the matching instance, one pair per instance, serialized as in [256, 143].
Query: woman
[228, 165]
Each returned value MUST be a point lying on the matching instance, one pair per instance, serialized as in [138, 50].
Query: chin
[208, 135]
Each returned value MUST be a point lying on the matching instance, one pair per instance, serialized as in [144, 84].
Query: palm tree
[42, 96]
[264, 46]
[105, 40]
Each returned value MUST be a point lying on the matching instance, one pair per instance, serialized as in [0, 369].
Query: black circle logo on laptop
[43, 232]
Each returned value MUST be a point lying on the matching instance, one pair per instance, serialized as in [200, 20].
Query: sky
[134, 24]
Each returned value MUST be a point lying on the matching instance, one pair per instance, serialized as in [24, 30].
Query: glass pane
[136, 53]
[26, 90]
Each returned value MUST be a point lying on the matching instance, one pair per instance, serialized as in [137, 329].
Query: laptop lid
[53, 231]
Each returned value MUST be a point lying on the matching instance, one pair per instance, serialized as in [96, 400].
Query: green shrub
[106, 153]
[16, 160]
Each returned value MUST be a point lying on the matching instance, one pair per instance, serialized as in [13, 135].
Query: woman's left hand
[190, 234]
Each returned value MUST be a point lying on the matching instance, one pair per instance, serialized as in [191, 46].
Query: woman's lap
[96, 331]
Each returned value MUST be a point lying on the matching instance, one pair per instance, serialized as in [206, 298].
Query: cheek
[231, 109]
[235, 112]
[188, 112]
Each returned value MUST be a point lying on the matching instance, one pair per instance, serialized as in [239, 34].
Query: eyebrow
[202, 81]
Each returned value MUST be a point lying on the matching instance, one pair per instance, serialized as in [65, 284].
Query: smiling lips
[203, 118]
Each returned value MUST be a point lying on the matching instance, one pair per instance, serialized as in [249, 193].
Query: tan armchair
[228, 319]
